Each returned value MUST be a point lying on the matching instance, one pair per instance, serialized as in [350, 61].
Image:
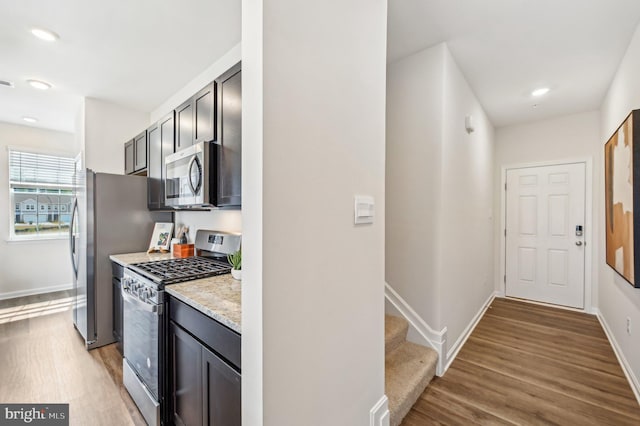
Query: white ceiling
[133, 53]
[138, 53]
[506, 48]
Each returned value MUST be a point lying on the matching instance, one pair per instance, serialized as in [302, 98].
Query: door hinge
[505, 279]
[505, 232]
[505, 186]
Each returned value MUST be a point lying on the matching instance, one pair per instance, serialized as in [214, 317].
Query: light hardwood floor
[523, 364]
[527, 364]
[43, 360]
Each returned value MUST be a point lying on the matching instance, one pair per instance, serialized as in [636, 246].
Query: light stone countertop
[129, 258]
[218, 297]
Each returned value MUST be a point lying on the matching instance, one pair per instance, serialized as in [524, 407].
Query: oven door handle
[157, 309]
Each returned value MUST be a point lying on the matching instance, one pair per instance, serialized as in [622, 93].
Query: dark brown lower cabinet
[117, 313]
[116, 281]
[186, 366]
[221, 387]
[204, 389]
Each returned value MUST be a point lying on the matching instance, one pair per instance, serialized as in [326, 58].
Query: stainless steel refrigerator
[110, 216]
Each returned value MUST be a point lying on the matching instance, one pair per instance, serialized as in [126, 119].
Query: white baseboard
[32, 291]
[626, 368]
[453, 351]
[434, 339]
[379, 414]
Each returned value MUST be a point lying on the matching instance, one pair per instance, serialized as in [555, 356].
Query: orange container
[182, 250]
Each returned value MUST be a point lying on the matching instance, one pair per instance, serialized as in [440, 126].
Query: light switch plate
[364, 207]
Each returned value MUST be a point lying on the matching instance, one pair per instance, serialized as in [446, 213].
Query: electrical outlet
[629, 326]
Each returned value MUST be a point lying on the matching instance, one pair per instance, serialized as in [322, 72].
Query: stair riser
[408, 370]
[395, 333]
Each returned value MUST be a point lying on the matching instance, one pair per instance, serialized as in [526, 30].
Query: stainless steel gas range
[143, 319]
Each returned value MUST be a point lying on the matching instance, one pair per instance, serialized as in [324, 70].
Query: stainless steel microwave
[191, 176]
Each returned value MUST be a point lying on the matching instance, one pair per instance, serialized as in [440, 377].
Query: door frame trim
[590, 232]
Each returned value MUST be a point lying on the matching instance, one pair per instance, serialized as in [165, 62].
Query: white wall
[466, 218]
[439, 192]
[413, 178]
[617, 299]
[314, 137]
[107, 127]
[252, 211]
[567, 138]
[30, 267]
[205, 77]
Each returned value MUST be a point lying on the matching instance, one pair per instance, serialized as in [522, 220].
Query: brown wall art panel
[622, 183]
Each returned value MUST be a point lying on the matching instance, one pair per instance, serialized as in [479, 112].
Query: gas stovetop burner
[173, 271]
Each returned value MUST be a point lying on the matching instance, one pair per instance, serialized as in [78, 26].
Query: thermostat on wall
[363, 209]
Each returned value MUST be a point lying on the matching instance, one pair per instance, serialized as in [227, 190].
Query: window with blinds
[41, 190]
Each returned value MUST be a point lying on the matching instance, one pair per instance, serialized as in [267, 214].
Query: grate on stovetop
[178, 270]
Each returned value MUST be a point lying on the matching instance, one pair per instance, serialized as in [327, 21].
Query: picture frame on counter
[161, 237]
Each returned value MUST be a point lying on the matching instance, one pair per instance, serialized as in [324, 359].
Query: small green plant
[235, 259]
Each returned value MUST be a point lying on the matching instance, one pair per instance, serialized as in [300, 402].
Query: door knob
[578, 243]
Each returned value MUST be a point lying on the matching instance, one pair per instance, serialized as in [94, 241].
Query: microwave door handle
[193, 160]
[196, 188]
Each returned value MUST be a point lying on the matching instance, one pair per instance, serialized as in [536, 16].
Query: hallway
[530, 364]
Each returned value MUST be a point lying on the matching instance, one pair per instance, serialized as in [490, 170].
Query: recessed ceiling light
[30, 119]
[45, 35]
[38, 84]
[540, 92]
[6, 83]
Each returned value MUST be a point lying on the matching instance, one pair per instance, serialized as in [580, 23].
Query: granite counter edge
[201, 308]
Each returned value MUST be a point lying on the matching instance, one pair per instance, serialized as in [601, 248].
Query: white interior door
[544, 254]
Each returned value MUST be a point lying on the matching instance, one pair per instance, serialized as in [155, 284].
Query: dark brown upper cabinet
[229, 127]
[140, 148]
[205, 113]
[129, 153]
[135, 155]
[184, 125]
[161, 137]
[195, 118]
[167, 139]
[154, 169]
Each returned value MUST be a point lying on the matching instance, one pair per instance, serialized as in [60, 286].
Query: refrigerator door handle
[72, 238]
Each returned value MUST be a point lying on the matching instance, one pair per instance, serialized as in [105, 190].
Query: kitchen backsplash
[217, 220]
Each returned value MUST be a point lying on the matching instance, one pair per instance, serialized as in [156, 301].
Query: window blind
[28, 168]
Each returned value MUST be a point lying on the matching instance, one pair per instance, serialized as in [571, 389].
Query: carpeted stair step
[408, 371]
[395, 332]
